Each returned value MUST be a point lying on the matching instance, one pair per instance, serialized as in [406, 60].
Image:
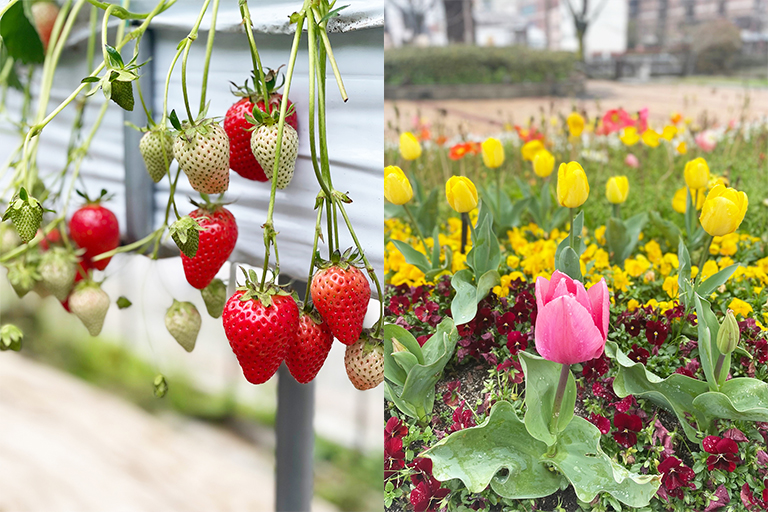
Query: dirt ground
[720, 102]
[65, 445]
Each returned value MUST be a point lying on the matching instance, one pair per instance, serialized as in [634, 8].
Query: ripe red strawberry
[44, 17]
[364, 362]
[260, 327]
[241, 159]
[218, 237]
[52, 238]
[310, 350]
[340, 292]
[95, 229]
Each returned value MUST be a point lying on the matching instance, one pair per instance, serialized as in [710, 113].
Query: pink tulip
[632, 161]
[706, 140]
[616, 119]
[572, 322]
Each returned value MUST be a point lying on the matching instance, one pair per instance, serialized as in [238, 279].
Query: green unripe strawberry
[215, 296]
[364, 362]
[57, 271]
[9, 239]
[10, 337]
[264, 148]
[183, 322]
[122, 94]
[90, 304]
[156, 149]
[22, 278]
[26, 213]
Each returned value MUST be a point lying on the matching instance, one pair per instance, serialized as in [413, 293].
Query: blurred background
[466, 63]
[82, 429]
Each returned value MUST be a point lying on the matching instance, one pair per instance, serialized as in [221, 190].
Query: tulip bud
[530, 149]
[617, 189]
[410, 149]
[723, 210]
[493, 153]
[461, 194]
[728, 334]
[397, 346]
[696, 173]
[572, 185]
[397, 188]
[575, 123]
[543, 163]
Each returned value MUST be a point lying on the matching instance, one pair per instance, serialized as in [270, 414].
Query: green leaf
[668, 229]
[426, 214]
[464, 303]
[569, 263]
[541, 380]
[174, 120]
[617, 238]
[486, 283]
[20, 37]
[707, 327]
[405, 338]
[713, 282]
[435, 260]
[684, 274]
[392, 394]
[405, 360]
[634, 225]
[434, 347]
[675, 393]
[123, 302]
[739, 399]
[412, 256]
[114, 58]
[475, 455]
[579, 457]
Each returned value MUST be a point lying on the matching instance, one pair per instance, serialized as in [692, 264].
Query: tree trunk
[459, 25]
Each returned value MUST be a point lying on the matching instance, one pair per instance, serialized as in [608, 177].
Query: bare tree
[581, 21]
[413, 13]
[459, 23]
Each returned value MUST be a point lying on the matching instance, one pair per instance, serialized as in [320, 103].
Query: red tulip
[572, 323]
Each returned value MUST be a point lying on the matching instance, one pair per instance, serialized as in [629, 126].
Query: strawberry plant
[50, 249]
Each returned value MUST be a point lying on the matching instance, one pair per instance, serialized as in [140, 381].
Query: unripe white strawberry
[152, 146]
[203, 154]
[90, 304]
[364, 361]
[57, 272]
[264, 147]
[183, 322]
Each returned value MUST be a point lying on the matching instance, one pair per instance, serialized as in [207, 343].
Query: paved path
[67, 446]
[487, 117]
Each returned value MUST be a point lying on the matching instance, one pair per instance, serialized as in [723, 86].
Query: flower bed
[686, 327]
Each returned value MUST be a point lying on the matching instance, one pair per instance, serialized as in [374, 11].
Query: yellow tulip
[682, 148]
[397, 188]
[461, 194]
[410, 149]
[696, 173]
[723, 210]
[617, 189]
[575, 123]
[530, 149]
[572, 185]
[680, 200]
[543, 163]
[651, 138]
[630, 136]
[493, 153]
[669, 133]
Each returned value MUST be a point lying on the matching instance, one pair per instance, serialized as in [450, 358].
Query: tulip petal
[601, 304]
[566, 333]
[542, 288]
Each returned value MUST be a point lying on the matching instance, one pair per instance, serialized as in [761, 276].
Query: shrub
[462, 64]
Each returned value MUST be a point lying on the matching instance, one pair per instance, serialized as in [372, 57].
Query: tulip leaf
[427, 214]
[412, 256]
[634, 226]
[475, 456]
[579, 457]
[713, 282]
[486, 283]
[684, 273]
[434, 347]
[707, 327]
[541, 380]
[739, 399]
[405, 360]
[485, 254]
[668, 229]
[435, 248]
[568, 262]
[392, 393]
[617, 239]
[675, 393]
[405, 338]
[464, 303]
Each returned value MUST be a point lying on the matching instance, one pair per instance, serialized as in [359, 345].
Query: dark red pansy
[602, 423]
[724, 453]
[627, 426]
[676, 476]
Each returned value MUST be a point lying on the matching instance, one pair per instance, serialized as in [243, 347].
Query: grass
[345, 477]
[744, 162]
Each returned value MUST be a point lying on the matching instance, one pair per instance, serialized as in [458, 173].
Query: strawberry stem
[258, 69]
[187, 46]
[269, 232]
[208, 52]
[329, 50]
[318, 232]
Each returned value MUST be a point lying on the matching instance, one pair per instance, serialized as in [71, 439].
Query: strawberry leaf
[114, 58]
[175, 120]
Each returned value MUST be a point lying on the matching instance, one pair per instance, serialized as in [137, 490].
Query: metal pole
[295, 440]
[139, 188]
